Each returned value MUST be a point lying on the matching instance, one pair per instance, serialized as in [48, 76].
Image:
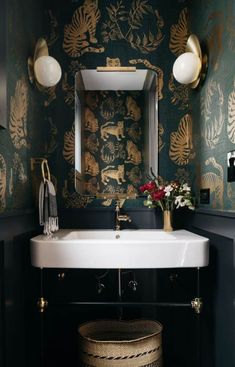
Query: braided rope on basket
[154, 364]
[122, 357]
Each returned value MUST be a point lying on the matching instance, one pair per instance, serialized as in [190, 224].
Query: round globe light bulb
[186, 68]
[47, 71]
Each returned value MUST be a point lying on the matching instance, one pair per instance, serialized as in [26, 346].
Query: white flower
[168, 190]
[186, 187]
[180, 201]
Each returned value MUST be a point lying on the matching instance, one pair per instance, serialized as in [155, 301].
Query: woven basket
[110, 343]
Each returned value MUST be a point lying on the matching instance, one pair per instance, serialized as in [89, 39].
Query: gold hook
[47, 175]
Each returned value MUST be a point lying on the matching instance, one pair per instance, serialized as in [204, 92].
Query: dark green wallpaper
[213, 105]
[194, 136]
[23, 137]
[147, 34]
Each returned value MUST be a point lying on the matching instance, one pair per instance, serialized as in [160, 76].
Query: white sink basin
[108, 249]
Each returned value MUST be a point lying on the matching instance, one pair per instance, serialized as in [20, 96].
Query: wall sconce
[190, 67]
[43, 69]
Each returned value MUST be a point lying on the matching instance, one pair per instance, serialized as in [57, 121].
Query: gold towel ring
[45, 173]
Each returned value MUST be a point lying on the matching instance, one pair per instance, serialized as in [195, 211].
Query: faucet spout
[120, 217]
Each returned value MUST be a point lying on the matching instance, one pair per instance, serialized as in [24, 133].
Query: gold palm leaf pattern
[231, 116]
[213, 117]
[3, 183]
[181, 145]
[179, 34]
[69, 145]
[79, 36]
[18, 115]
[160, 82]
[214, 181]
[127, 25]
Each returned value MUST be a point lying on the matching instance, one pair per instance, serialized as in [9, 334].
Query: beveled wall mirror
[116, 130]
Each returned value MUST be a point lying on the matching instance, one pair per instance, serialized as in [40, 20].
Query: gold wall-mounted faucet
[120, 217]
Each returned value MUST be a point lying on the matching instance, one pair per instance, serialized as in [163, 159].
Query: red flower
[158, 195]
[150, 186]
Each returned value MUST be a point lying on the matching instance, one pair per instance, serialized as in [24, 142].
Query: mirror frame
[79, 176]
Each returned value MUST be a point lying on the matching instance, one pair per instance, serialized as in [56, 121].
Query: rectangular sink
[127, 249]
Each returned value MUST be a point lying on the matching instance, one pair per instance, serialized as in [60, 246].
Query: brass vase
[167, 221]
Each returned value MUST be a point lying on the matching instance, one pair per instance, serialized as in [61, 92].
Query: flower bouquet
[169, 196]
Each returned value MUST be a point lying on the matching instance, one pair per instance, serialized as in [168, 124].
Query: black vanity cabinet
[73, 298]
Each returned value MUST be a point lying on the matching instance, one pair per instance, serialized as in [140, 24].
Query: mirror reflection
[116, 131]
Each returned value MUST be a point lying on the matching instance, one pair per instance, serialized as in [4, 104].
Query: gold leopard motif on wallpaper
[91, 122]
[80, 35]
[180, 93]
[18, 115]
[110, 129]
[113, 62]
[3, 183]
[133, 110]
[181, 142]
[133, 154]
[215, 182]
[110, 172]
[160, 82]
[91, 166]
